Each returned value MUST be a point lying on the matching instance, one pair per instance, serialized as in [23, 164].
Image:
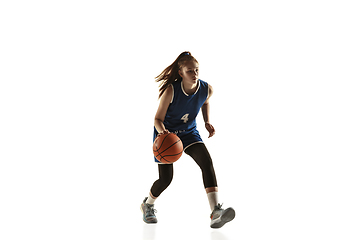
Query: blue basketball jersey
[184, 108]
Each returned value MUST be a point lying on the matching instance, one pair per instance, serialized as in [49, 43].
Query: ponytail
[171, 74]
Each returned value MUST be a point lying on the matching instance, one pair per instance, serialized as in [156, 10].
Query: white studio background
[78, 98]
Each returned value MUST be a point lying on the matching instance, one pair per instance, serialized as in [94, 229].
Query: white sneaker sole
[227, 216]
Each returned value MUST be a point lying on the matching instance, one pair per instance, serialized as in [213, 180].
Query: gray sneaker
[220, 216]
[148, 212]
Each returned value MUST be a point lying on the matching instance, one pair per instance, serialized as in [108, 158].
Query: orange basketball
[167, 148]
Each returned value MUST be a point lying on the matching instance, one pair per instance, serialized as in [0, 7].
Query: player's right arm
[161, 112]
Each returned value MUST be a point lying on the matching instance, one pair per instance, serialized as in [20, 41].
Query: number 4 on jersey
[185, 118]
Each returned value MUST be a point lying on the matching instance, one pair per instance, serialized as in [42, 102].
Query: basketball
[167, 148]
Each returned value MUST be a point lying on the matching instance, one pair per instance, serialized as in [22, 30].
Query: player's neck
[190, 88]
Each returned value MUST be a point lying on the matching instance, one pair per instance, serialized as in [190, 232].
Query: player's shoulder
[204, 83]
[209, 87]
[168, 94]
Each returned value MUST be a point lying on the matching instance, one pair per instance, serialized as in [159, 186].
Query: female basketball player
[182, 95]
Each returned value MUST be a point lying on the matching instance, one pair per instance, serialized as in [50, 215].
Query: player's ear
[180, 73]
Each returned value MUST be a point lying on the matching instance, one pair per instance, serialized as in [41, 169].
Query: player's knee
[206, 164]
[166, 180]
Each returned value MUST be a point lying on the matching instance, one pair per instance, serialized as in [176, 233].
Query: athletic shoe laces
[216, 208]
[150, 211]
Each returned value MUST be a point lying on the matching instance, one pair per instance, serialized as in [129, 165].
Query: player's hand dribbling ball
[167, 148]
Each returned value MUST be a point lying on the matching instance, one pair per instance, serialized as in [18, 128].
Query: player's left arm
[205, 109]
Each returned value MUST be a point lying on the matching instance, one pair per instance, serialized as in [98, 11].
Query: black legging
[201, 156]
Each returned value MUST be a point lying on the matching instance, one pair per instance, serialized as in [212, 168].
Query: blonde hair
[171, 74]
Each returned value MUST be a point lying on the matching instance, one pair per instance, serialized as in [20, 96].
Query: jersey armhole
[208, 92]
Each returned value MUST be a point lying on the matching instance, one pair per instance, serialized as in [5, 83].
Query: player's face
[190, 72]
